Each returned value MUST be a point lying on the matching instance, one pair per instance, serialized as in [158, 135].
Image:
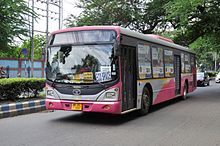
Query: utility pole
[215, 59]
[47, 20]
[32, 42]
[60, 14]
[58, 4]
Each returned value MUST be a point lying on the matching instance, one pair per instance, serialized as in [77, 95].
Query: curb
[21, 108]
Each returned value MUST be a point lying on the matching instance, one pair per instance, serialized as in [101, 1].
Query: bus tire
[208, 83]
[145, 102]
[185, 91]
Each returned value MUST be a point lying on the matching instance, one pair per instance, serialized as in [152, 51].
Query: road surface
[193, 122]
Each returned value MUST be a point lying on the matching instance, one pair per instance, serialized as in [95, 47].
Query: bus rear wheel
[185, 91]
[145, 102]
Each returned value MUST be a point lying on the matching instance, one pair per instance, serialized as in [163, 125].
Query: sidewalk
[21, 108]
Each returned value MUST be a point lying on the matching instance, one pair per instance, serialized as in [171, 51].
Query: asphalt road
[193, 122]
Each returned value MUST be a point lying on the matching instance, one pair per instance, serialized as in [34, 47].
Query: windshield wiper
[57, 77]
[103, 85]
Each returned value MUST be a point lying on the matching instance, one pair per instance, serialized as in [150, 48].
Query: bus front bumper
[84, 106]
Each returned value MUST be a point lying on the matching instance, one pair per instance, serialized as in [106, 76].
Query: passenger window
[157, 62]
[144, 61]
[192, 61]
[168, 62]
[182, 63]
[187, 63]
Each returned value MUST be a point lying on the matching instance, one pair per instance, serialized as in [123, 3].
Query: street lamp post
[32, 43]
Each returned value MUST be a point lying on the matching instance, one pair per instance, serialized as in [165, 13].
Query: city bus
[110, 69]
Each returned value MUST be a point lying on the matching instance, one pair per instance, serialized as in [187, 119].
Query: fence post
[7, 71]
[28, 70]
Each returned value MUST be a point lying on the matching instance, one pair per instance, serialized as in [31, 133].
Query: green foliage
[39, 44]
[137, 15]
[15, 52]
[12, 88]
[14, 22]
[194, 18]
[103, 12]
[10, 53]
[206, 47]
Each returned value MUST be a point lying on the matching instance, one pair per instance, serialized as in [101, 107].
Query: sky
[69, 7]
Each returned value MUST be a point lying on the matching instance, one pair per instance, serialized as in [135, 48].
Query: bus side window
[182, 63]
[192, 61]
[157, 62]
[169, 63]
[144, 61]
[187, 63]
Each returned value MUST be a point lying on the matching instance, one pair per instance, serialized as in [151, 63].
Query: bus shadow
[110, 119]
[98, 118]
[165, 104]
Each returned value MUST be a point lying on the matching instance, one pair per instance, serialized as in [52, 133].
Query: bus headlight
[110, 95]
[51, 94]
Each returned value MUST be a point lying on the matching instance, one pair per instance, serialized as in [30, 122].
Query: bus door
[177, 72]
[129, 78]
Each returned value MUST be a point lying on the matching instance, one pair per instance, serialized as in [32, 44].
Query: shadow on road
[98, 118]
[165, 104]
[109, 119]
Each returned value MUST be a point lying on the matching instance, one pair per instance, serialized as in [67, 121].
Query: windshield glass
[86, 36]
[81, 64]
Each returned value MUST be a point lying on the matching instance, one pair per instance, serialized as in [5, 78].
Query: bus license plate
[77, 106]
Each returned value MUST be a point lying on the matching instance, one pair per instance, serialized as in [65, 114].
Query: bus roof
[130, 33]
[116, 28]
[153, 39]
[160, 37]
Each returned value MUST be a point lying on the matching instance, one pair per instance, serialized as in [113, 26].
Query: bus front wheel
[145, 102]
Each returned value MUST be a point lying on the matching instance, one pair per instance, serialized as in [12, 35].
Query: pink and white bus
[110, 69]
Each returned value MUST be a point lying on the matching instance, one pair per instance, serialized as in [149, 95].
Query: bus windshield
[81, 63]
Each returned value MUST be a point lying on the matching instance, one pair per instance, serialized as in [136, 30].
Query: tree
[137, 15]
[194, 19]
[197, 26]
[207, 50]
[39, 44]
[14, 22]
[10, 53]
[15, 52]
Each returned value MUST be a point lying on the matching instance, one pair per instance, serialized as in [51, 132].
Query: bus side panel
[163, 89]
[167, 92]
[191, 85]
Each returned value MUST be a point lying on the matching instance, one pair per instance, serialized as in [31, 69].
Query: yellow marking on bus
[149, 80]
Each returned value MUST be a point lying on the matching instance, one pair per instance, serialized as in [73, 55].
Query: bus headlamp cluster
[51, 94]
[110, 95]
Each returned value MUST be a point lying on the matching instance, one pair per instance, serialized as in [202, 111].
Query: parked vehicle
[202, 79]
[217, 78]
